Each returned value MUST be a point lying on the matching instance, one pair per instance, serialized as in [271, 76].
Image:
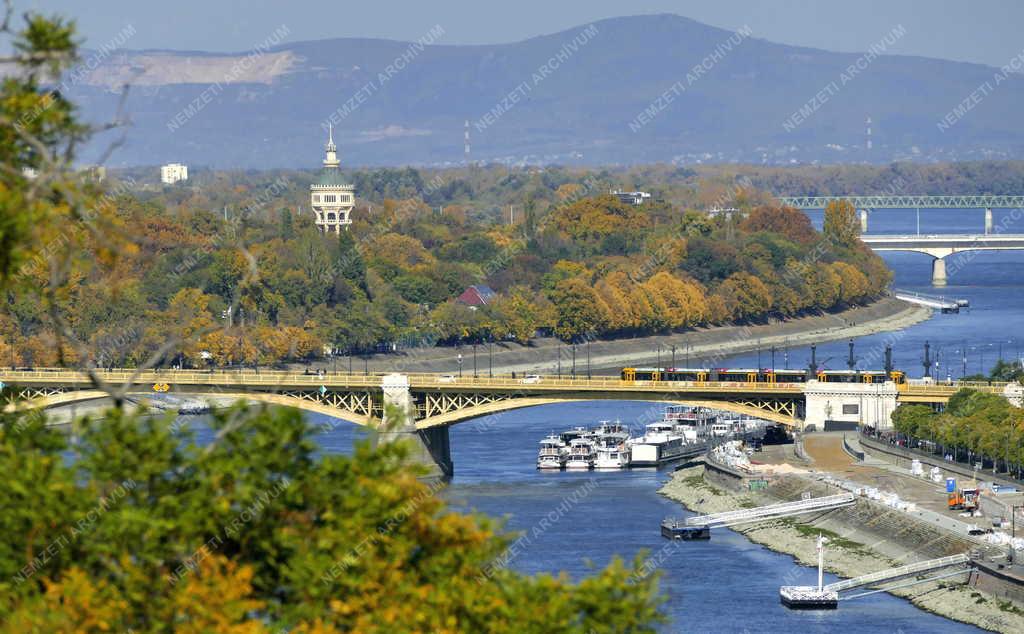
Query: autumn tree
[841, 224]
[579, 309]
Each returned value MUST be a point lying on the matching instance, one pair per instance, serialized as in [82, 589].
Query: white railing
[773, 511]
[896, 573]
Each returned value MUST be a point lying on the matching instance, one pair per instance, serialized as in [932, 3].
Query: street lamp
[574, 359]
[474, 359]
[490, 371]
[589, 375]
[673, 346]
[1013, 528]
[773, 359]
[460, 365]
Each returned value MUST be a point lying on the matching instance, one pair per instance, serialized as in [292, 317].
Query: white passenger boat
[552, 453]
[581, 455]
[610, 446]
[659, 444]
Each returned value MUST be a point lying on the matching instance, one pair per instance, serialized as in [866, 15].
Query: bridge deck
[274, 378]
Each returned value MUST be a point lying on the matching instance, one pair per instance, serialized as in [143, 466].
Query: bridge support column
[1014, 392]
[988, 221]
[846, 405]
[939, 272]
[863, 220]
[429, 447]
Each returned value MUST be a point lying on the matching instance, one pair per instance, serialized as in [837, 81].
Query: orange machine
[964, 499]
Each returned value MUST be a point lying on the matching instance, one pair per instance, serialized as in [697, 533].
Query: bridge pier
[988, 221]
[847, 405]
[939, 272]
[429, 447]
[863, 220]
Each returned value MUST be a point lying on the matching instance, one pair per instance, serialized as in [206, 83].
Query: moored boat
[551, 454]
[581, 455]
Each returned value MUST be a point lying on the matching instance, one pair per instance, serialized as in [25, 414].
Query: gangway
[931, 301]
[772, 511]
[894, 574]
[827, 596]
[699, 527]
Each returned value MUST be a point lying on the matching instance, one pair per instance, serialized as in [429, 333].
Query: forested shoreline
[232, 266]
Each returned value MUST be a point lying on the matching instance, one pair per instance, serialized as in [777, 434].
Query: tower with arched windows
[331, 197]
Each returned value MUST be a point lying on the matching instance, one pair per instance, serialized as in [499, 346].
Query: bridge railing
[947, 389]
[271, 378]
[56, 376]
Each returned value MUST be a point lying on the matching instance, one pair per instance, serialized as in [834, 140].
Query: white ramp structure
[773, 511]
[826, 597]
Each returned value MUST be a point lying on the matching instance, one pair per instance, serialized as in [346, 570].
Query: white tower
[332, 199]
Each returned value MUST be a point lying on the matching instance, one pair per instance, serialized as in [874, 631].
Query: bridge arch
[70, 397]
[465, 414]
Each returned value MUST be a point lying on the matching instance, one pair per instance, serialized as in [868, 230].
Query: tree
[259, 529]
[578, 308]
[350, 261]
[287, 226]
[911, 419]
[785, 221]
[841, 224]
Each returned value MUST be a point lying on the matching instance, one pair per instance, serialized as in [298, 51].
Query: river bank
[700, 347]
[855, 549]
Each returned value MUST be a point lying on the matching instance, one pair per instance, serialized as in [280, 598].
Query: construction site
[883, 520]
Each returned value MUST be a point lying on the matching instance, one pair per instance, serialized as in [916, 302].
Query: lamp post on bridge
[673, 355]
[474, 360]
[574, 358]
[460, 365]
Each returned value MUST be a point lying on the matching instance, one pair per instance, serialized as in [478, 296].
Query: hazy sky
[985, 31]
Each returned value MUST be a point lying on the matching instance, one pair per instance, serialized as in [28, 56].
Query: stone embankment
[864, 538]
[704, 347]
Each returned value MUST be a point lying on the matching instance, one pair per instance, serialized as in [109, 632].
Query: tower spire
[331, 155]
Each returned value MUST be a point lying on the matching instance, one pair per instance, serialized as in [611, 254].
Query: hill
[619, 91]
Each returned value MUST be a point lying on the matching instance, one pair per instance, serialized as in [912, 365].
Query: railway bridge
[431, 403]
[938, 247]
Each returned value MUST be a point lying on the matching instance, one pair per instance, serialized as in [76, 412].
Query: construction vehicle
[964, 499]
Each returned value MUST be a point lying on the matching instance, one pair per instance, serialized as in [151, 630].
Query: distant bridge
[865, 204]
[908, 202]
[942, 246]
[435, 402]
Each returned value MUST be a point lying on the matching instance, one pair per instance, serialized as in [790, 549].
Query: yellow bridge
[438, 401]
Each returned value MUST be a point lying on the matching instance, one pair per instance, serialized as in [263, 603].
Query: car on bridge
[531, 378]
[447, 378]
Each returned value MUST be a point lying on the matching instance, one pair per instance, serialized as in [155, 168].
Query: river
[727, 584]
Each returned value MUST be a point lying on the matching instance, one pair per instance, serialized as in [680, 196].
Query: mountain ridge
[579, 113]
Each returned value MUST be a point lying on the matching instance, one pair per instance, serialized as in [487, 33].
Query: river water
[573, 521]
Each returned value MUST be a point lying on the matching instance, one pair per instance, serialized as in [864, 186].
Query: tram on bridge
[764, 375]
